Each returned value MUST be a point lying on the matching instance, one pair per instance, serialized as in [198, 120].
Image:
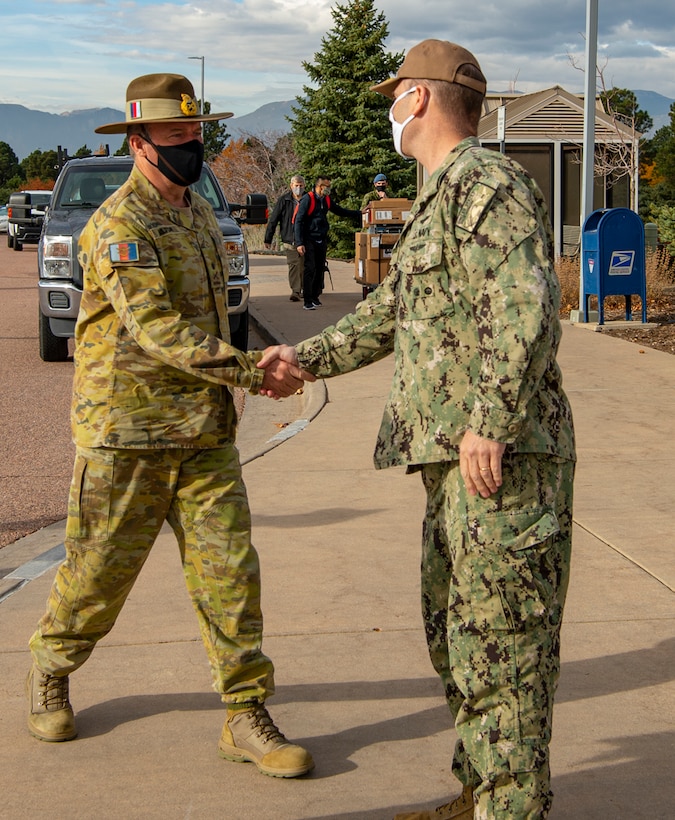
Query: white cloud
[57, 55]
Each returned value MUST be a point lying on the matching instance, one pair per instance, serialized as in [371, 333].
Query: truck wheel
[52, 348]
[239, 330]
[18, 246]
[10, 240]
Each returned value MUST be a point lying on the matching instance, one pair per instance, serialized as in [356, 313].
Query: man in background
[311, 236]
[380, 190]
[282, 215]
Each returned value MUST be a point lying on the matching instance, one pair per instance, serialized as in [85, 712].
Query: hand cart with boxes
[383, 221]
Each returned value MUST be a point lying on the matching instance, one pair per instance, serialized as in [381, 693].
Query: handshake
[283, 374]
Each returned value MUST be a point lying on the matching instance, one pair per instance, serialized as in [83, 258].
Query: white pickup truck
[25, 213]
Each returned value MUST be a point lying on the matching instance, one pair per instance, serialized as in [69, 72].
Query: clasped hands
[283, 374]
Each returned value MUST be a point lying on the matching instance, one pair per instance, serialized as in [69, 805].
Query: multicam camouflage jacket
[153, 363]
[470, 310]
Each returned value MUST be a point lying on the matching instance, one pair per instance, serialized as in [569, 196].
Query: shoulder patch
[474, 206]
[124, 252]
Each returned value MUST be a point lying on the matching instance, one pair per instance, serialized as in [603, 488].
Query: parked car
[82, 185]
[25, 214]
[3, 219]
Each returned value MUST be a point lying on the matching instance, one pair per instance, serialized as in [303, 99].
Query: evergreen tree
[9, 164]
[623, 104]
[657, 169]
[42, 165]
[340, 128]
[215, 136]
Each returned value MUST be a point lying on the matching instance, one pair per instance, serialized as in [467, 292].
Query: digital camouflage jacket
[470, 311]
[153, 363]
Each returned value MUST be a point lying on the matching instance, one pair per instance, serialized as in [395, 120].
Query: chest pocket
[425, 291]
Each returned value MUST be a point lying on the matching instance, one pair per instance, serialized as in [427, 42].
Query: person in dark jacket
[282, 215]
[311, 235]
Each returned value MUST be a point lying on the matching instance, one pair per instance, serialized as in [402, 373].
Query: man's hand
[480, 463]
[268, 245]
[301, 250]
[283, 375]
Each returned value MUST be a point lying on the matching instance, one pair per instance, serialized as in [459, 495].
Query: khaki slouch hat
[160, 98]
[434, 60]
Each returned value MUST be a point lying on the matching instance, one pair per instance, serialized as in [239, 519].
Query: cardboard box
[372, 255]
[388, 211]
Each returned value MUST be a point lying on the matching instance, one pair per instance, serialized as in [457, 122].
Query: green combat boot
[250, 735]
[50, 715]
[461, 808]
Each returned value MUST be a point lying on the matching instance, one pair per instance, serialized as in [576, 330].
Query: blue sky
[63, 55]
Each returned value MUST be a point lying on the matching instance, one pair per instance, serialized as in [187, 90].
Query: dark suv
[81, 187]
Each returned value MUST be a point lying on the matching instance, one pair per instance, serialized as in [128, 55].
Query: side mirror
[256, 210]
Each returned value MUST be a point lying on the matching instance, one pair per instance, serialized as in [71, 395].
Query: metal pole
[201, 101]
[588, 160]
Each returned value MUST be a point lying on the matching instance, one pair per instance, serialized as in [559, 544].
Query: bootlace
[53, 692]
[264, 725]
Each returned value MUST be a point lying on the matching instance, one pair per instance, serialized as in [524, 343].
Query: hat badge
[188, 105]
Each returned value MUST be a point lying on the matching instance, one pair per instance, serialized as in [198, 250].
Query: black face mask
[180, 164]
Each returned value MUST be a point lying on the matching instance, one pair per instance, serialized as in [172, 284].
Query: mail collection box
[386, 212]
[372, 255]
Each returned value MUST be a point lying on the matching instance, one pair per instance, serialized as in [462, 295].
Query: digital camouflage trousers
[494, 578]
[118, 502]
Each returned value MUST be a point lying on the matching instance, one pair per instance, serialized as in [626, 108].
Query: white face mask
[298, 190]
[397, 127]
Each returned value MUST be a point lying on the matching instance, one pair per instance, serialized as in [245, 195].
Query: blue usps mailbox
[613, 259]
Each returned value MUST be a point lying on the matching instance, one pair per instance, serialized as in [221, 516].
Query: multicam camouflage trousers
[118, 502]
[494, 579]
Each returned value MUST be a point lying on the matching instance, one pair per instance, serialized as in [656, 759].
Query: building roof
[551, 115]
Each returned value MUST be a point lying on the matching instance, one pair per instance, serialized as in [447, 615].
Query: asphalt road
[36, 451]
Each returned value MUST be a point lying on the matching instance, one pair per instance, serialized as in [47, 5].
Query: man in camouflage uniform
[470, 312]
[154, 425]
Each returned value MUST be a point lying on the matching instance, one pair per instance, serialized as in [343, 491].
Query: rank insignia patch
[124, 252]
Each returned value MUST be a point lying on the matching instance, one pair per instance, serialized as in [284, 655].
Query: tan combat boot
[461, 808]
[250, 735]
[50, 715]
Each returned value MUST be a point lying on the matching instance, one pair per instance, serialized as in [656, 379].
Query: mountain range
[26, 130]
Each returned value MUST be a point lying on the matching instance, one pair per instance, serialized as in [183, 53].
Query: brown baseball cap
[160, 98]
[434, 60]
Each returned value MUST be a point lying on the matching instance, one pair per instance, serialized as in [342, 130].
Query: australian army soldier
[470, 311]
[154, 425]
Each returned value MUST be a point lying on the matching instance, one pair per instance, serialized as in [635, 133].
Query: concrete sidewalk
[339, 545]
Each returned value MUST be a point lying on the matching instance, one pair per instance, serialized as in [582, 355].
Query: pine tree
[215, 136]
[340, 127]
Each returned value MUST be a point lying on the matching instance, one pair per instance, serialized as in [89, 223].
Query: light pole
[201, 102]
[588, 157]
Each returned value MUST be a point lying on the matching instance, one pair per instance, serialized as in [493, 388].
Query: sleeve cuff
[488, 421]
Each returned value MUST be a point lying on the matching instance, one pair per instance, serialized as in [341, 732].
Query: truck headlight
[235, 251]
[57, 257]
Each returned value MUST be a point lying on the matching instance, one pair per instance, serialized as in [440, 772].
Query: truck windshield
[90, 186]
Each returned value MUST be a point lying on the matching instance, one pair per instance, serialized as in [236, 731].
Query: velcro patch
[124, 252]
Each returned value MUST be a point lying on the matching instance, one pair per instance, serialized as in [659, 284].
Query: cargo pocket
[90, 496]
[515, 578]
